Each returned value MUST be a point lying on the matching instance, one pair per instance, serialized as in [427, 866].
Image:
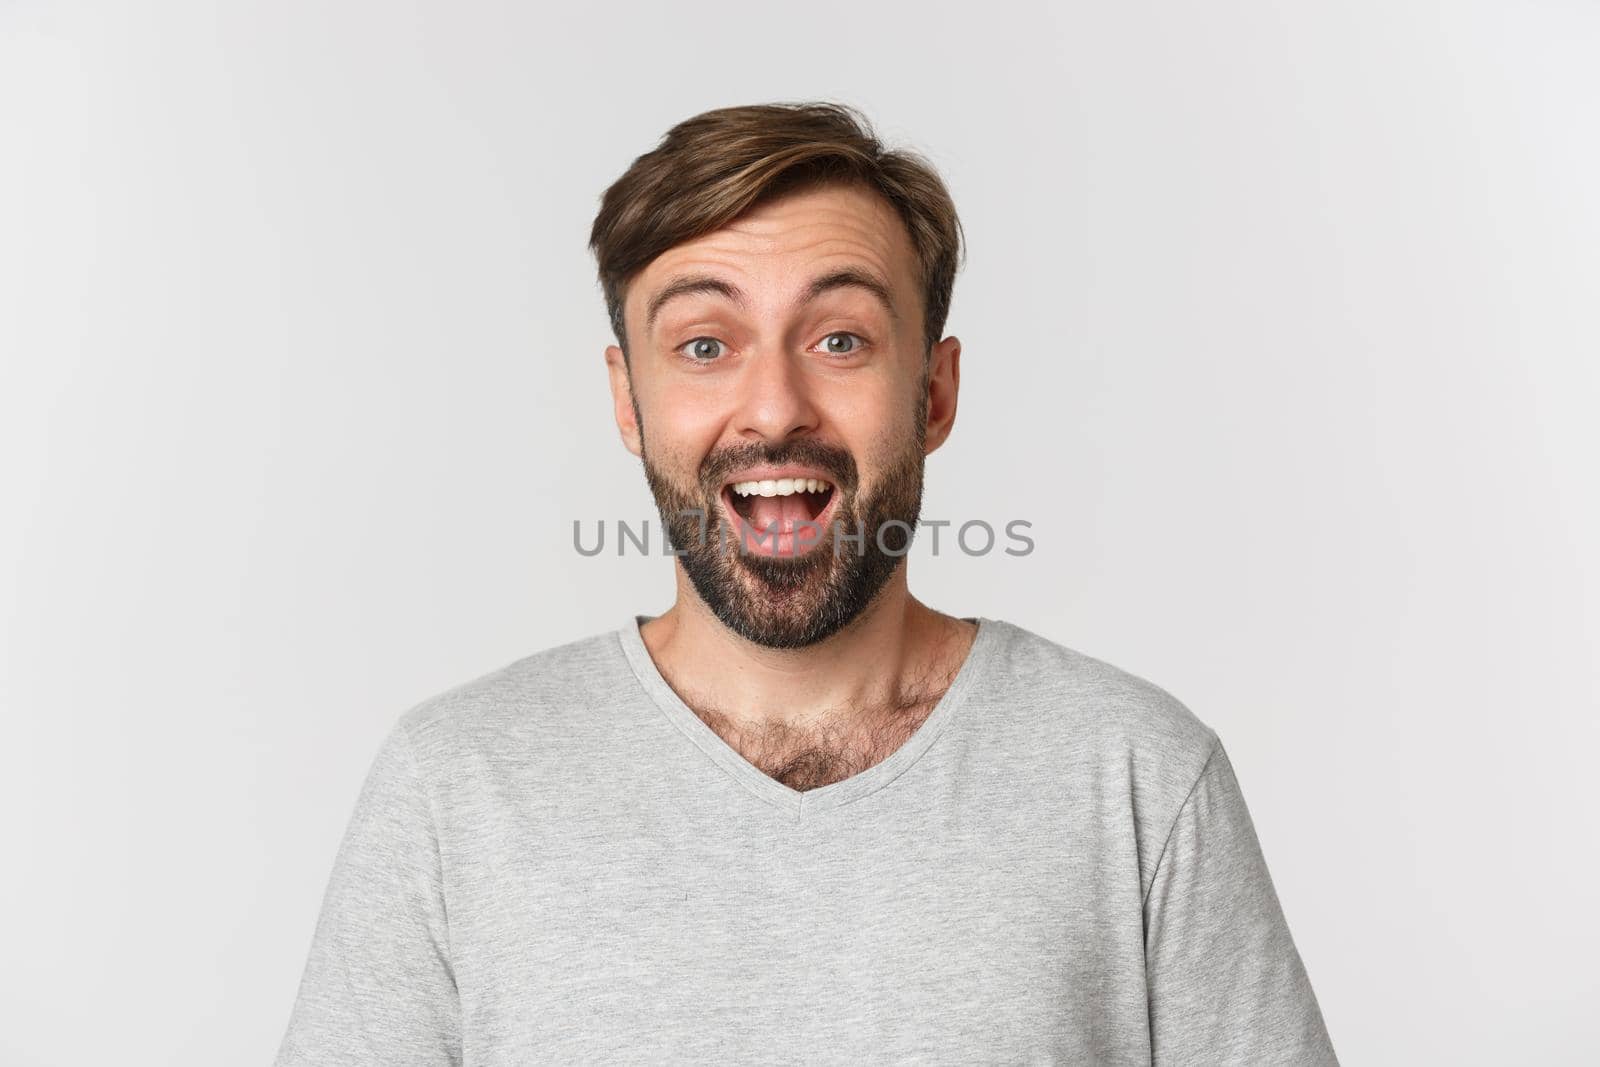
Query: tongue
[787, 510]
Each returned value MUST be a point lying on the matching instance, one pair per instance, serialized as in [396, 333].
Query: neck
[891, 653]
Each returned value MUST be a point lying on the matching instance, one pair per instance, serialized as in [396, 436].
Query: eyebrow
[844, 278]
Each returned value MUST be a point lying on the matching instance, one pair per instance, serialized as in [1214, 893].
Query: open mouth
[780, 517]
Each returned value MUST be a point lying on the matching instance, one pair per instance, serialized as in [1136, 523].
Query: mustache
[837, 462]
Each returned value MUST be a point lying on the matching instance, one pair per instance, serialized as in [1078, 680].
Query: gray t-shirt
[559, 862]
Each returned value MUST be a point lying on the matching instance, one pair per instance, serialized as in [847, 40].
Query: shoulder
[549, 694]
[1076, 702]
[1109, 739]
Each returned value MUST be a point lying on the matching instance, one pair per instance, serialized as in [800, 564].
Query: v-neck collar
[769, 789]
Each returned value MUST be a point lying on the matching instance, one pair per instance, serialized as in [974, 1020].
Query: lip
[796, 543]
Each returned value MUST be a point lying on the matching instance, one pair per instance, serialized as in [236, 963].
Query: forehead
[785, 242]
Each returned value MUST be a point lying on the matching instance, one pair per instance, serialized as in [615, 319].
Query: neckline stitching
[948, 706]
[650, 678]
[768, 789]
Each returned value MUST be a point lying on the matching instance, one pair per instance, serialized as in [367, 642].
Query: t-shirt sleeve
[378, 987]
[1226, 984]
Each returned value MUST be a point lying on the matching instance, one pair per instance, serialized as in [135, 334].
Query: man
[800, 815]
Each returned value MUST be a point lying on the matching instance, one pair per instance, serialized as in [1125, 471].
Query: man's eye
[702, 349]
[829, 346]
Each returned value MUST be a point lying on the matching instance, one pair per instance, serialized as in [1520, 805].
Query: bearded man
[799, 814]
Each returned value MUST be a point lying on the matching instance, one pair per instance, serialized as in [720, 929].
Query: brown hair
[711, 168]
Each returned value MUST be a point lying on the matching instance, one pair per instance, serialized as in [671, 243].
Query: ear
[622, 399]
[944, 382]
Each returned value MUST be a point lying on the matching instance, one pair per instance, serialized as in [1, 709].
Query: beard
[793, 601]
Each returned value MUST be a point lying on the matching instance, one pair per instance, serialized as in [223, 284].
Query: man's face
[776, 392]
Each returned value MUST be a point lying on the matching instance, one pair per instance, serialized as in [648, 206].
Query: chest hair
[846, 743]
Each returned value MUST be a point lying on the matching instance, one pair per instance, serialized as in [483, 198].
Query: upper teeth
[780, 486]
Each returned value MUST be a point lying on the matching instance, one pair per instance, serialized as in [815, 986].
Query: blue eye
[828, 343]
[698, 349]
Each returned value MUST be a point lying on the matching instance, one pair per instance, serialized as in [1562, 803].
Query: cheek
[676, 420]
[874, 419]
[678, 437]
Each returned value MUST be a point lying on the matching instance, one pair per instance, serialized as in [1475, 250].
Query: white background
[1279, 324]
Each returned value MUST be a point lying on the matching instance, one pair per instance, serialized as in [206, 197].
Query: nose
[775, 400]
